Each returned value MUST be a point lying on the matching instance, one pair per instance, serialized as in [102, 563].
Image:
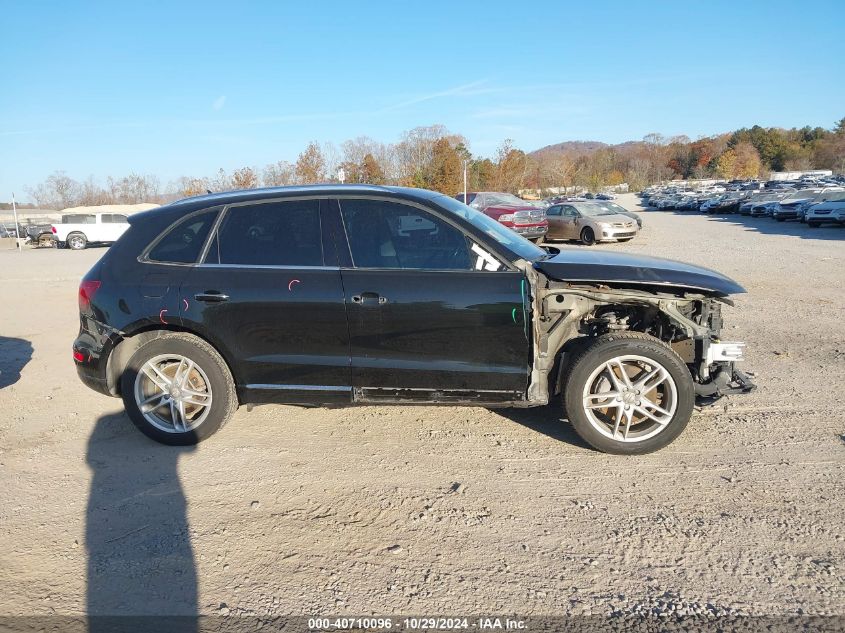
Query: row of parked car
[587, 220]
[811, 200]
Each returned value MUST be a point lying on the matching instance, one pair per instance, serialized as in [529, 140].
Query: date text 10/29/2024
[412, 624]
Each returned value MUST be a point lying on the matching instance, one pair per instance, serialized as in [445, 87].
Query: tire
[674, 394]
[209, 375]
[588, 237]
[77, 241]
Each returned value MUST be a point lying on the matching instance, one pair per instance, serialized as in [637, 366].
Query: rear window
[114, 218]
[182, 243]
[283, 233]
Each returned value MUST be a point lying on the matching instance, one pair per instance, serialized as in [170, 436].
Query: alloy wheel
[630, 398]
[173, 393]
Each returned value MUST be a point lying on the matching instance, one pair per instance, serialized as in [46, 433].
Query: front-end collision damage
[567, 316]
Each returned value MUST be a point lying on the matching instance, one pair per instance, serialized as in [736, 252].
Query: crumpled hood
[582, 265]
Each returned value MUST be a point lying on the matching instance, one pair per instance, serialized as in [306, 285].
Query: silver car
[589, 222]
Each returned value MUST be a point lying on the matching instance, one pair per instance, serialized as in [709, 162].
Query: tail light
[87, 290]
[53, 228]
[79, 356]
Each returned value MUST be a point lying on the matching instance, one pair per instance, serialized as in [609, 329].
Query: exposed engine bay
[570, 315]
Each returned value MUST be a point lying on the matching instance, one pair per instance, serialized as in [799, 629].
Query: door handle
[211, 296]
[369, 297]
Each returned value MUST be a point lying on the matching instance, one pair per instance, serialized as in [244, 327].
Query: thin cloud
[219, 102]
[466, 90]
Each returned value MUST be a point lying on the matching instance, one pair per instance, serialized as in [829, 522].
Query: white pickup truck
[78, 230]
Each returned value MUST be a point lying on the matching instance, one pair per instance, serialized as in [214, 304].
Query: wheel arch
[128, 345]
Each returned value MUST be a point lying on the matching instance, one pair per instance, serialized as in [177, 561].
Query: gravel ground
[439, 510]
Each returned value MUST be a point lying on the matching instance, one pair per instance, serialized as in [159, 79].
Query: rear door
[269, 296]
[569, 229]
[553, 214]
[432, 314]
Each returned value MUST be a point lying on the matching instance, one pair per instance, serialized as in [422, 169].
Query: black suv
[346, 295]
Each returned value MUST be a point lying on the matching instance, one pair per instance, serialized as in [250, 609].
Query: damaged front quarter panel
[569, 315]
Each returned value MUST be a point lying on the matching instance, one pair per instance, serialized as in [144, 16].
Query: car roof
[187, 205]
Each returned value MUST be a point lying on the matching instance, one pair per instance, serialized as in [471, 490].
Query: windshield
[492, 228]
[505, 198]
[833, 195]
[612, 206]
[594, 210]
[805, 194]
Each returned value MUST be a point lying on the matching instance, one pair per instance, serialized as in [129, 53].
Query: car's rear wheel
[77, 241]
[588, 237]
[628, 393]
[178, 390]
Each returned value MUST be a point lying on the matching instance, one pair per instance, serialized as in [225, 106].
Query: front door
[432, 315]
[267, 299]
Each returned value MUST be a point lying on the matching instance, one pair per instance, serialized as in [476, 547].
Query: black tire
[610, 346]
[224, 397]
[77, 241]
[588, 237]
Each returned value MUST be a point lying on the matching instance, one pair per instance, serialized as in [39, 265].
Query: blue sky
[183, 88]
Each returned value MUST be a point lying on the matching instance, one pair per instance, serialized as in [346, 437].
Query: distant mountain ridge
[578, 147]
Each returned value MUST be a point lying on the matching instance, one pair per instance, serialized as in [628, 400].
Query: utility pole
[17, 226]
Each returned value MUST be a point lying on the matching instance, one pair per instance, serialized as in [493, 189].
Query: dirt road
[438, 510]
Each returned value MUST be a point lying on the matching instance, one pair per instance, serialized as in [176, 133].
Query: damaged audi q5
[363, 295]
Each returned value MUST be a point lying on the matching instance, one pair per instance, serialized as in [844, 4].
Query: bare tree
[279, 174]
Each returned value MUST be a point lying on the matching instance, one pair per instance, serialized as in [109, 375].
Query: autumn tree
[311, 165]
[244, 178]
[371, 171]
[445, 173]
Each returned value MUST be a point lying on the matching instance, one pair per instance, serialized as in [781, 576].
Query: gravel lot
[439, 510]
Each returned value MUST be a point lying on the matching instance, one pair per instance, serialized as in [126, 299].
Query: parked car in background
[797, 204]
[77, 231]
[362, 295]
[40, 234]
[589, 222]
[612, 206]
[525, 218]
[826, 212]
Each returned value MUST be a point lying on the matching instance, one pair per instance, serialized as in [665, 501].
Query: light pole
[465, 180]
[17, 226]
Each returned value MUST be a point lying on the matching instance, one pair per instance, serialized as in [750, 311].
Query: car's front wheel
[178, 390]
[588, 237]
[628, 393]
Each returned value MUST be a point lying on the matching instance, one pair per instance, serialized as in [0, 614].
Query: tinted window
[386, 234]
[78, 218]
[182, 243]
[570, 211]
[271, 234]
[553, 210]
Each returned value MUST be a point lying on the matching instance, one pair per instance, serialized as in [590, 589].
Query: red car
[516, 214]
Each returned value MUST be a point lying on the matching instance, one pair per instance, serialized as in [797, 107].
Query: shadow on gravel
[140, 559]
[14, 355]
[548, 421]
